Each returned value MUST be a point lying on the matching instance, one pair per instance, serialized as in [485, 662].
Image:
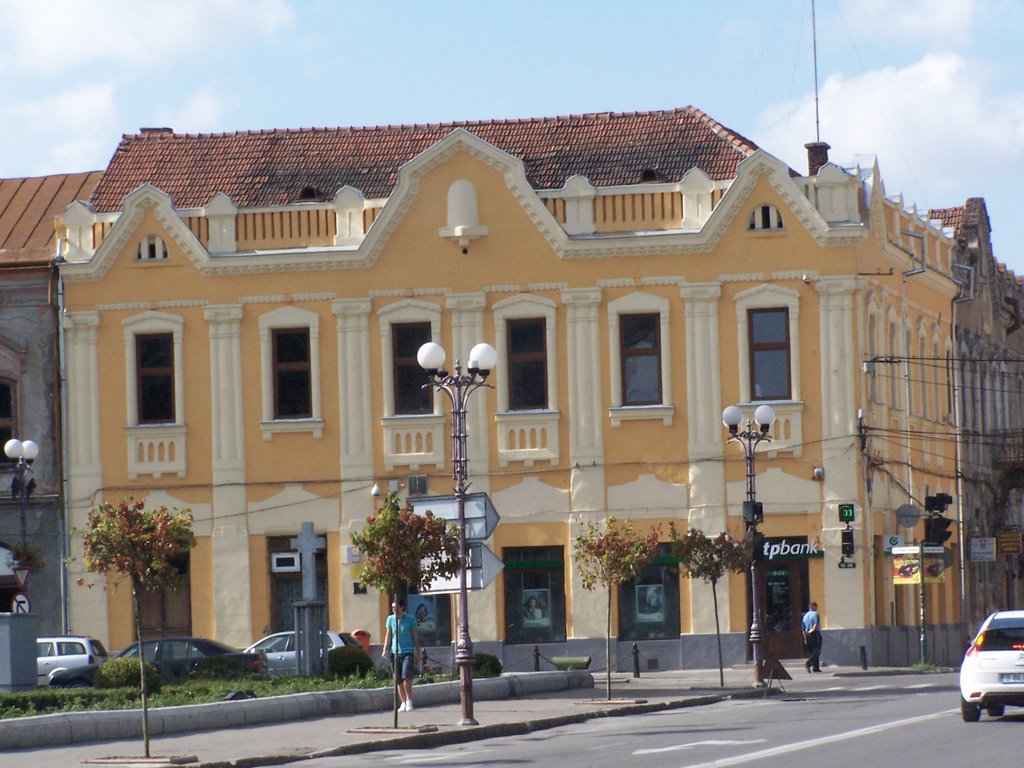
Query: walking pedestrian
[811, 626]
[402, 646]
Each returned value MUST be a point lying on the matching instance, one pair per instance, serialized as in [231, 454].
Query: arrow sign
[21, 604]
[481, 516]
[483, 568]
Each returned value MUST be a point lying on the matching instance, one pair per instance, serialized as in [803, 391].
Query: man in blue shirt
[402, 638]
[811, 626]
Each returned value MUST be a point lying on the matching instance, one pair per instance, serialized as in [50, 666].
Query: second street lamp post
[458, 387]
[25, 453]
[749, 439]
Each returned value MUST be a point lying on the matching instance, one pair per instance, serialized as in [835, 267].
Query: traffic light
[937, 503]
[847, 534]
[847, 513]
[753, 513]
[936, 529]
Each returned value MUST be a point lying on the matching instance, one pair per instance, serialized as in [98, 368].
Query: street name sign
[915, 549]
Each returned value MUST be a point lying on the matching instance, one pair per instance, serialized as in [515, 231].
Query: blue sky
[932, 89]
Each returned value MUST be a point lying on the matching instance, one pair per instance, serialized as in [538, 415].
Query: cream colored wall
[273, 482]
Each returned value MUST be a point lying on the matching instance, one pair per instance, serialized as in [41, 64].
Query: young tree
[401, 548]
[130, 541]
[709, 560]
[609, 554]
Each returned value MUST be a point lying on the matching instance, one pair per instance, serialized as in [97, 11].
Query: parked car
[176, 656]
[280, 650]
[992, 672]
[57, 654]
[172, 656]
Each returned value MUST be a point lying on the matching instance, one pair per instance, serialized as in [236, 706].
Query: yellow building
[242, 313]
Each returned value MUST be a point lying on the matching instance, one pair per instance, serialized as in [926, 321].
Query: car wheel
[995, 710]
[78, 684]
[970, 713]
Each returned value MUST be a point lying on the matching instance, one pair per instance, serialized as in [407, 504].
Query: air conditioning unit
[285, 562]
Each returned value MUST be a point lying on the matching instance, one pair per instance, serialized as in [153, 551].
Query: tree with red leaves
[707, 559]
[127, 540]
[402, 550]
[608, 555]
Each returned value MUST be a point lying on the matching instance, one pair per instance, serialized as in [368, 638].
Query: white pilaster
[232, 600]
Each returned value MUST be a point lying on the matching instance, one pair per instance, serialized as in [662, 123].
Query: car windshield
[1003, 636]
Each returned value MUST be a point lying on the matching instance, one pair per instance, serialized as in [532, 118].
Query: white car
[992, 672]
[54, 654]
[280, 650]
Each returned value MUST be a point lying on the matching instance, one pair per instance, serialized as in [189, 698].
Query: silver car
[54, 654]
[280, 650]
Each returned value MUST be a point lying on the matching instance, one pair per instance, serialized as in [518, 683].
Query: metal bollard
[536, 659]
[636, 660]
[423, 658]
[863, 657]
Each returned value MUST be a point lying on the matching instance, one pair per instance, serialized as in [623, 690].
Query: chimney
[817, 156]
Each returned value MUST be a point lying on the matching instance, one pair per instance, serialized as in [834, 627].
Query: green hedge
[124, 673]
[348, 662]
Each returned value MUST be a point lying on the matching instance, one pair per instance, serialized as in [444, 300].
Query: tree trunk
[143, 683]
[718, 633]
[608, 648]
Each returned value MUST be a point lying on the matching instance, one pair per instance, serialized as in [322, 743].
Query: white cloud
[75, 126]
[202, 112]
[946, 21]
[58, 34]
[932, 125]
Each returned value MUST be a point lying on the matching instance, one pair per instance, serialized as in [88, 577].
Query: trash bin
[364, 639]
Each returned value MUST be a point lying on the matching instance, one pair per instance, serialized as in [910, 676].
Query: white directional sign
[483, 568]
[481, 516]
[915, 549]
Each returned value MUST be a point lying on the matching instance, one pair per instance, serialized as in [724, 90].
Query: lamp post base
[466, 692]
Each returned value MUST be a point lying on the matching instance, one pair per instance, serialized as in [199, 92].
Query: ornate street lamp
[458, 387]
[24, 453]
[752, 514]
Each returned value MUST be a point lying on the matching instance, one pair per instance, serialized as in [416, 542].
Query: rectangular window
[433, 614]
[6, 415]
[293, 398]
[527, 365]
[649, 605]
[534, 594]
[154, 369]
[769, 354]
[410, 395]
[640, 348]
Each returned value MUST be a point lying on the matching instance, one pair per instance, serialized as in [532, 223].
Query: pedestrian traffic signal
[753, 513]
[847, 513]
[936, 529]
[847, 538]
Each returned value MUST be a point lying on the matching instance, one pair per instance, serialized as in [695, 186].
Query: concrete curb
[116, 725]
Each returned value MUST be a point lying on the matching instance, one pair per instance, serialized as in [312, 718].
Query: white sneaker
[401, 707]
[408, 706]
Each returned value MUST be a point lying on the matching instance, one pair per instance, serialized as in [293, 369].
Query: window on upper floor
[411, 397]
[151, 248]
[7, 411]
[293, 385]
[154, 372]
[527, 364]
[640, 352]
[765, 217]
[769, 354]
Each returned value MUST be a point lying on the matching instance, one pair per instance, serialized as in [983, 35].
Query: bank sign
[789, 548]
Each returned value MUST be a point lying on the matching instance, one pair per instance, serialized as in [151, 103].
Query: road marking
[797, 746]
[692, 744]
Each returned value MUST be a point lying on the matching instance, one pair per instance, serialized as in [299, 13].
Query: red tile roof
[27, 211]
[948, 217]
[259, 168]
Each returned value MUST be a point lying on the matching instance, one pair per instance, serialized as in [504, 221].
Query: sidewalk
[529, 704]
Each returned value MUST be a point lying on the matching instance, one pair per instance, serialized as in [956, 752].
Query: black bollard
[863, 657]
[536, 659]
[636, 661]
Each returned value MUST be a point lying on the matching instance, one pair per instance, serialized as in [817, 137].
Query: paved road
[433, 726]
